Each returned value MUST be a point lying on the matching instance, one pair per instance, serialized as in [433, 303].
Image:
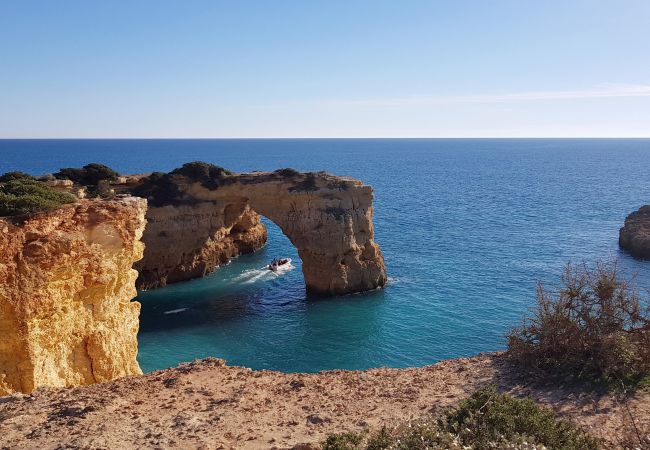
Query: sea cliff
[66, 285]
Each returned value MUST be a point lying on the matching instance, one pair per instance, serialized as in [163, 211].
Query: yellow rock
[66, 285]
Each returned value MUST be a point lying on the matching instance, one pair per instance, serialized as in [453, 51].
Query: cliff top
[207, 403]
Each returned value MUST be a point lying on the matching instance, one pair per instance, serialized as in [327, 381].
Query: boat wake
[175, 311]
[262, 274]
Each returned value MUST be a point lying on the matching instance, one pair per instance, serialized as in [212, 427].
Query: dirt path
[206, 404]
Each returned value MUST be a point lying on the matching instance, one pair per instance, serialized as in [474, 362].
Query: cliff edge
[66, 285]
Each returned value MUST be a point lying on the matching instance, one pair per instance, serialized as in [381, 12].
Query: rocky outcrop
[66, 284]
[201, 223]
[189, 240]
[634, 236]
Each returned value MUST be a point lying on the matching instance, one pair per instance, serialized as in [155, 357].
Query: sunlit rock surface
[327, 218]
[66, 285]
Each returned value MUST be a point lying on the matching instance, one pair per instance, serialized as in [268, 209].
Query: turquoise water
[467, 228]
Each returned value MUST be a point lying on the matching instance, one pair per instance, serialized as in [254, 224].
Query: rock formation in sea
[67, 276]
[186, 241]
[197, 222]
[634, 236]
[66, 285]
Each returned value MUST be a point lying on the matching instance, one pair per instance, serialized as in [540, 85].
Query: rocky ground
[207, 404]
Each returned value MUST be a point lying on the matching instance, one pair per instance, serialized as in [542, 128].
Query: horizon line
[309, 137]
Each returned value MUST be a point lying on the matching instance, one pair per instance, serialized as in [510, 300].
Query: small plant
[486, 420]
[343, 441]
[25, 196]
[287, 172]
[593, 327]
[306, 185]
[89, 175]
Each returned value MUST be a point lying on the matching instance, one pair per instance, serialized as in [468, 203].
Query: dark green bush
[207, 174]
[486, 420]
[308, 184]
[593, 328]
[89, 175]
[10, 176]
[287, 172]
[160, 189]
[24, 196]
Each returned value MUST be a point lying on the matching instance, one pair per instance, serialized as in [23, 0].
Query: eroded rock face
[66, 284]
[327, 218]
[634, 236]
[189, 240]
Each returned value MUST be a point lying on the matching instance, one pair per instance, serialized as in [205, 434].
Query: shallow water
[467, 228]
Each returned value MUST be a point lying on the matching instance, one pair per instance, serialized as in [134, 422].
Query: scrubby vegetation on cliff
[593, 328]
[163, 188]
[287, 172]
[486, 420]
[89, 175]
[11, 176]
[22, 194]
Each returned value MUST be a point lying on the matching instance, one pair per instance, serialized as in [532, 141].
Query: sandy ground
[207, 404]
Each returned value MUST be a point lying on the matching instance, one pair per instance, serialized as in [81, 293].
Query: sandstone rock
[327, 218]
[66, 284]
[634, 236]
[190, 240]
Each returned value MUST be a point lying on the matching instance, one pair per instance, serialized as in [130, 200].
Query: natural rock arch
[327, 218]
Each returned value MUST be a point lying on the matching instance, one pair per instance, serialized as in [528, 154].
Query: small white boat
[277, 263]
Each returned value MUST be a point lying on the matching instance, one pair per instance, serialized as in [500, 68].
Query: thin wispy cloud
[608, 91]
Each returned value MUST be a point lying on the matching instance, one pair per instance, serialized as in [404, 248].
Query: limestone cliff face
[66, 284]
[189, 240]
[327, 218]
[634, 236]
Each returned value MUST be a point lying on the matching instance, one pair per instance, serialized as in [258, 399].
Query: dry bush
[594, 327]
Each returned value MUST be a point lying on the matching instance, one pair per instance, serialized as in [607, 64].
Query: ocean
[467, 227]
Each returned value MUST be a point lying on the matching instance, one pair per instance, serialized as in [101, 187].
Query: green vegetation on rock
[10, 176]
[287, 172]
[27, 195]
[163, 188]
[486, 420]
[89, 175]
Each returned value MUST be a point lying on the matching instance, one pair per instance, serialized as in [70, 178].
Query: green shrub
[593, 327]
[287, 172]
[308, 184]
[343, 441]
[208, 174]
[486, 420]
[89, 175]
[489, 417]
[10, 176]
[24, 196]
[160, 189]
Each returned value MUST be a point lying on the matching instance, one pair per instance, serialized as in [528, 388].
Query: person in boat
[277, 262]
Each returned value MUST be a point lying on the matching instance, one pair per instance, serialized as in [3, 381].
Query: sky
[335, 68]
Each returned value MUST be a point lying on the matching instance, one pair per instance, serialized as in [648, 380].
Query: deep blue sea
[467, 227]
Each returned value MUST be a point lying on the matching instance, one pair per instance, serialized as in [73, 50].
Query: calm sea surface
[467, 227]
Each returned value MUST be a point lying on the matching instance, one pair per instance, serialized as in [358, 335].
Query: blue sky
[324, 69]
